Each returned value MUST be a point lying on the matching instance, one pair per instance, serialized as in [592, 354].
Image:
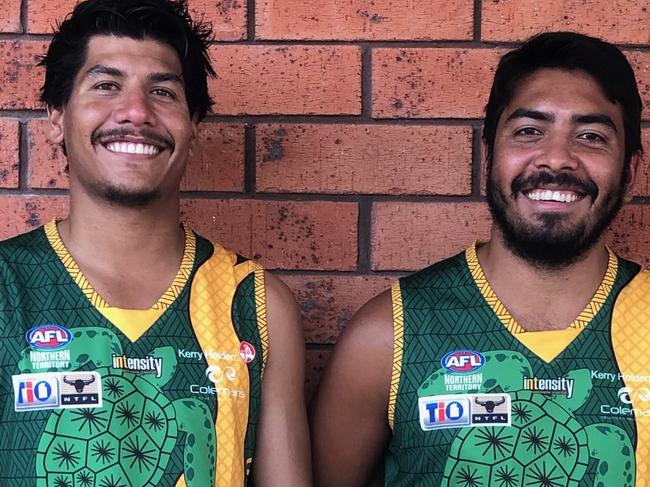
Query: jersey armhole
[398, 350]
[260, 306]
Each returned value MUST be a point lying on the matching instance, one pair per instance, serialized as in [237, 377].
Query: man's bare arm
[282, 455]
[350, 413]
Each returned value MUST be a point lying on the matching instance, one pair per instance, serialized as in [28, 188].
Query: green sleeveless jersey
[477, 401]
[97, 396]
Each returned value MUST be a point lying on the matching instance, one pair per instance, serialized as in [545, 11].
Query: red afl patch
[247, 352]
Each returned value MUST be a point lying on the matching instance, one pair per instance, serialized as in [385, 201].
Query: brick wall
[343, 150]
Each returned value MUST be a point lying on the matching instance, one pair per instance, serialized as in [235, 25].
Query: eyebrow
[597, 118]
[162, 77]
[528, 113]
[587, 118]
[101, 69]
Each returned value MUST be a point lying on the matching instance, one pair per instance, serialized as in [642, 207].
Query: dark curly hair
[569, 51]
[166, 21]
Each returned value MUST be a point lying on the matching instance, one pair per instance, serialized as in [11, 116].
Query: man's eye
[528, 131]
[592, 137]
[163, 92]
[106, 86]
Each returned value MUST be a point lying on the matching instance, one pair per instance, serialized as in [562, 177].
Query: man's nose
[135, 108]
[558, 154]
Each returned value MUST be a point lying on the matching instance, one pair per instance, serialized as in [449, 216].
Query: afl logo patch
[463, 361]
[48, 337]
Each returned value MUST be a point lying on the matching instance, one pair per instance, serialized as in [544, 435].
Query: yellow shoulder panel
[631, 342]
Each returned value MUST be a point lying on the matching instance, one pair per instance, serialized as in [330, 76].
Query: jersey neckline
[560, 339]
[168, 297]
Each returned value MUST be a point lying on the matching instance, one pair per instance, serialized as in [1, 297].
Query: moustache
[562, 179]
[105, 136]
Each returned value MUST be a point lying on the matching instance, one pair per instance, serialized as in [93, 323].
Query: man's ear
[55, 119]
[631, 175]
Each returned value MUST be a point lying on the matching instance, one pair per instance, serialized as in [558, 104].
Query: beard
[127, 198]
[552, 240]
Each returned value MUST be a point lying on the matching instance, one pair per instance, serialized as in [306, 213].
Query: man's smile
[555, 195]
[133, 148]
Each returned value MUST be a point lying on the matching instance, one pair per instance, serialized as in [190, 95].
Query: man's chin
[129, 198]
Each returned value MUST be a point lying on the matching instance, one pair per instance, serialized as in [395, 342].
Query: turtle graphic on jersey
[545, 444]
[128, 441]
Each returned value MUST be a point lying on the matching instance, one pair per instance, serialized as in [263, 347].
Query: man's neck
[539, 298]
[129, 255]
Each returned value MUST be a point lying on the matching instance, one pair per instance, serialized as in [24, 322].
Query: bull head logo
[79, 384]
[490, 405]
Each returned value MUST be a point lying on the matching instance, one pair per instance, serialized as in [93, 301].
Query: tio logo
[437, 412]
[34, 391]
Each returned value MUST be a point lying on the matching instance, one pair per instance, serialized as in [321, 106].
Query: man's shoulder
[25, 247]
[206, 248]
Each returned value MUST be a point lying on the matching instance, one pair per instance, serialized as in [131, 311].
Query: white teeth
[548, 195]
[133, 148]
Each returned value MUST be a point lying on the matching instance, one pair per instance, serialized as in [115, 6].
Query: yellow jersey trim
[550, 343]
[132, 322]
[213, 289]
[398, 350]
[631, 342]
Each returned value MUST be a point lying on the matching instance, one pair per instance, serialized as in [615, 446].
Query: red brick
[281, 234]
[228, 17]
[364, 19]
[316, 361]
[23, 213]
[618, 21]
[328, 302]
[364, 159]
[9, 158]
[47, 163]
[10, 16]
[260, 80]
[409, 236]
[42, 15]
[217, 162]
[642, 185]
[21, 79]
[430, 83]
[641, 63]
[630, 234]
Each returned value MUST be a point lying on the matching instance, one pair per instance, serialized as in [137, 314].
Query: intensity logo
[146, 365]
[560, 385]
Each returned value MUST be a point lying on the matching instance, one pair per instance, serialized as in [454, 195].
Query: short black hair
[569, 51]
[166, 21]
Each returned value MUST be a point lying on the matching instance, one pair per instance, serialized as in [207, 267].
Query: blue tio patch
[438, 412]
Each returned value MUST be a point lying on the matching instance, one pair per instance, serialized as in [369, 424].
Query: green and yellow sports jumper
[477, 401]
[96, 396]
